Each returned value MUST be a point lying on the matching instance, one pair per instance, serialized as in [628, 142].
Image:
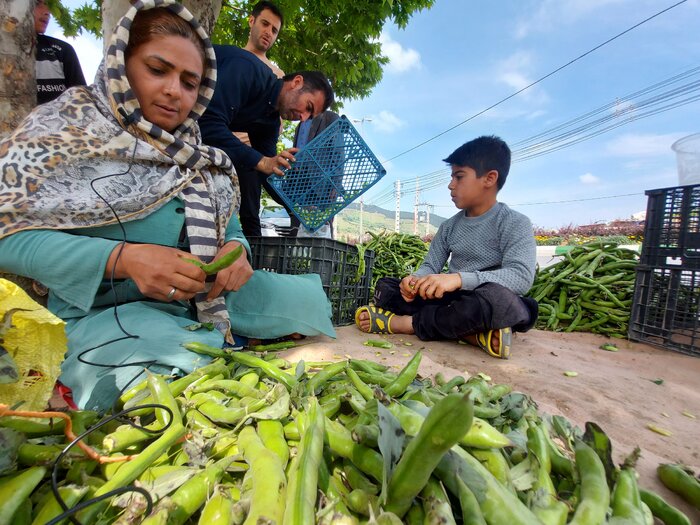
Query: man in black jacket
[57, 65]
[249, 97]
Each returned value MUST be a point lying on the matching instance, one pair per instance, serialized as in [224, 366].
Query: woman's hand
[434, 286]
[157, 270]
[232, 278]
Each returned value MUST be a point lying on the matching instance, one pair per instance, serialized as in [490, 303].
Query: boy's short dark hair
[314, 81]
[483, 154]
[264, 4]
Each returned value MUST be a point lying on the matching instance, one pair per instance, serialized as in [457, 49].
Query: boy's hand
[434, 286]
[407, 287]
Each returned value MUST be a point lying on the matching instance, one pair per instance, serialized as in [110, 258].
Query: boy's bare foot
[495, 339]
[398, 324]
[494, 342]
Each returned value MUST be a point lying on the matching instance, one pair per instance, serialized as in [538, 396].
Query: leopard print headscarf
[97, 136]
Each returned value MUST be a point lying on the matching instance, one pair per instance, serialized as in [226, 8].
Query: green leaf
[391, 441]
[524, 474]
[10, 440]
[564, 429]
[158, 488]
[196, 447]
[300, 369]
[196, 326]
[9, 373]
[518, 439]
[280, 404]
[600, 442]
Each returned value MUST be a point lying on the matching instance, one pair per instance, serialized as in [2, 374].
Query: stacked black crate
[666, 306]
[345, 270]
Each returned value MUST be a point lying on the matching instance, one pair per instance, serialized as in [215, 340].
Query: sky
[458, 59]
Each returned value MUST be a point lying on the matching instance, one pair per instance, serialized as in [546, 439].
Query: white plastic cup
[688, 158]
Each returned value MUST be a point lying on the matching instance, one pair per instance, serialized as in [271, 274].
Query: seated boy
[492, 255]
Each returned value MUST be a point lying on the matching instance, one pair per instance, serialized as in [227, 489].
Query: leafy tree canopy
[338, 37]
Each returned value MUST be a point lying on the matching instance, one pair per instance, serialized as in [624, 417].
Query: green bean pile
[590, 290]
[254, 439]
[395, 255]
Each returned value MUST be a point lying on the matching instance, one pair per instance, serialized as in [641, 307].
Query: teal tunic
[102, 359]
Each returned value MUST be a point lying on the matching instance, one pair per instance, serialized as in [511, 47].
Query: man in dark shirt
[249, 97]
[57, 65]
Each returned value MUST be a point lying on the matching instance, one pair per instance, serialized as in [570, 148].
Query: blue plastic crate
[330, 172]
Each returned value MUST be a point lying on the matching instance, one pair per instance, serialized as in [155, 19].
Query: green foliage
[87, 17]
[287, 136]
[347, 224]
[620, 232]
[337, 37]
[395, 254]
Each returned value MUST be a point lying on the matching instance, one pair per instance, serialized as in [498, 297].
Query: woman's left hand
[232, 278]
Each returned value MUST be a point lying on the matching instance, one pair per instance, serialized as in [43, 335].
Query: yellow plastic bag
[35, 340]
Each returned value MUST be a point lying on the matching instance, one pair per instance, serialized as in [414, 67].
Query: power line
[577, 200]
[538, 80]
[569, 201]
[581, 133]
[634, 111]
[607, 128]
[607, 107]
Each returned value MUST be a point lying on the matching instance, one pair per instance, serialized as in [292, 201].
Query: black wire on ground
[69, 512]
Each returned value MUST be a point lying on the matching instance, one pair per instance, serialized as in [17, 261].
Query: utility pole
[428, 207]
[415, 209]
[361, 122]
[397, 218]
[362, 206]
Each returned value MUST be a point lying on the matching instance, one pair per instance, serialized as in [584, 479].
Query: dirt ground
[616, 390]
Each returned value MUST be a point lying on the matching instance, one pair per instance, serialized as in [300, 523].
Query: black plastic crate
[672, 229]
[344, 280]
[666, 309]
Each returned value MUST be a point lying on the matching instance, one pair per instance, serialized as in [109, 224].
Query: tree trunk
[17, 81]
[206, 11]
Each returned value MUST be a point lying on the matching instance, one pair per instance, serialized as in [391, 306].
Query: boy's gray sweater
[498, 246]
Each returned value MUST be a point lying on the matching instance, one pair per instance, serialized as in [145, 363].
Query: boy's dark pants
[459, 313]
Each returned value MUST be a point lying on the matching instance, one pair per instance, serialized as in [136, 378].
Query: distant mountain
[435, 220]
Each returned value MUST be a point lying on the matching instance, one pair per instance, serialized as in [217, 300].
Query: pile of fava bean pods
[395, 254]
[254, 439]
[590, 290]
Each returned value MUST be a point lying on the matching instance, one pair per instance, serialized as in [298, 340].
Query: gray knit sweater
[498, 246]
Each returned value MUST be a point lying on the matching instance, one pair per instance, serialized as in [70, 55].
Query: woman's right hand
[156, 270]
